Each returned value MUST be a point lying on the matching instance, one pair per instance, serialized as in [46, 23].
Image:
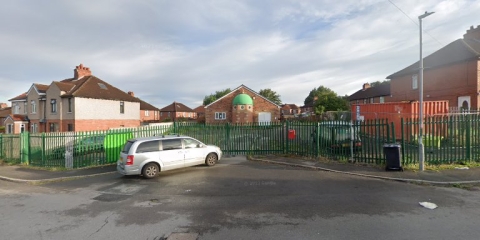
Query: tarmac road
[236, 199]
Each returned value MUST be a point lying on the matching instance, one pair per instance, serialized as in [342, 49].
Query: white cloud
[169, 51]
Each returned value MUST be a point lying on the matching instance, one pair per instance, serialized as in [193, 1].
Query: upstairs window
[70, 105]
[122, 107]
[53, 105]
[415, 81]
[16, 109]
[34, 106]
[382, 99]
[147, 113]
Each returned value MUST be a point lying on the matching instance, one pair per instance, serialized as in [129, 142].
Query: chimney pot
[131, 94]
[365, 86]
[472, 33]
[81, 71]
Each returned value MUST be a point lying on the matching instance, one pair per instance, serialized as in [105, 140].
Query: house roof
[4, 112]
[176, 107]
[93, 87]
[41, 88]
[147, 106]
[200, 109]
[457, 51]
[243, 86]
[17, 117]
[371, 92]
[290, 106]
[65, 87]
[22, 96]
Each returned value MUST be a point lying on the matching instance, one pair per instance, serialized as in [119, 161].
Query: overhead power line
[415, 22]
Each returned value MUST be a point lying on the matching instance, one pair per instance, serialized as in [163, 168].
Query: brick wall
[444, 83]
[152, 115]
[225, 105]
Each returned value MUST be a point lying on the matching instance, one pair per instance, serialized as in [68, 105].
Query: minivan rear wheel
[211, 159]
[150, 170]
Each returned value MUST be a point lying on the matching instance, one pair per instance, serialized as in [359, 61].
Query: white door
[264, 118]
[172, 154]
[464, 103]
[194, 152]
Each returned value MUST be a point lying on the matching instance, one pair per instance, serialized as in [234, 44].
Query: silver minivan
[149, 155]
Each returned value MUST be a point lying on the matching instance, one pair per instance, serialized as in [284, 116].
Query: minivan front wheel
[150, 170]
[211, 159]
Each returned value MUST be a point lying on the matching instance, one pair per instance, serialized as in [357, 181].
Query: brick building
[81, 103]
[452, 73]
[242, 105]
[369, 94]
[177, 111]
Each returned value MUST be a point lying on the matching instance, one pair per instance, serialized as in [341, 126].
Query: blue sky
[183, 50]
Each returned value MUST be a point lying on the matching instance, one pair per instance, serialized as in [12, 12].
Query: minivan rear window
[150, 146]
[127, 146]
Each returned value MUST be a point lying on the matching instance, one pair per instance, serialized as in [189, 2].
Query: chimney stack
[365, 86]
[80, 71]
[3, 105]
[131, 94]
[472, 33]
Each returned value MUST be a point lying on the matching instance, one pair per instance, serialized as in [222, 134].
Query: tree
[271, 95]
[378, 83]
[324, 99]
[213, 97]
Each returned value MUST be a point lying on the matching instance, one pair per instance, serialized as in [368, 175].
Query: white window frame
[122, 107]
[34, 106]
[69, 102]
[382, 99]
[16, 108]
[372, 100]
[147, 113]
[34, 128]
[25, 104]
[9, 129]
[220, 115]
[414, 81]
[53, 105]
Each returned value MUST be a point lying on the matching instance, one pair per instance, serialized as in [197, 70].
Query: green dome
[242, 99]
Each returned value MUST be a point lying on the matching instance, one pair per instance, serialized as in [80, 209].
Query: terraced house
[452, 73]
[81, 103]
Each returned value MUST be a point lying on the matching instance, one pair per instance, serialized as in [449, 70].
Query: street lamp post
[421, 147]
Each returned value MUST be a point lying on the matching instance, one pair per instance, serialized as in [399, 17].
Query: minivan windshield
[127, 146]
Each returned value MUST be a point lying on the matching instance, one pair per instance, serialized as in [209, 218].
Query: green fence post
[25, 147]
[1, 146]
[227, 135]
[403, 139]
[286, 127]
[467, 138]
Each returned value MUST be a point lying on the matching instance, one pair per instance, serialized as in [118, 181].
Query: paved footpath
[444, 177]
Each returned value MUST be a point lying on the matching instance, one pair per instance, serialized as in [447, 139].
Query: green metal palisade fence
[446, 139]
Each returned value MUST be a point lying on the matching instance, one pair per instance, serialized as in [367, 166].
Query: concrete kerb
[47, 180]
[407, 180]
